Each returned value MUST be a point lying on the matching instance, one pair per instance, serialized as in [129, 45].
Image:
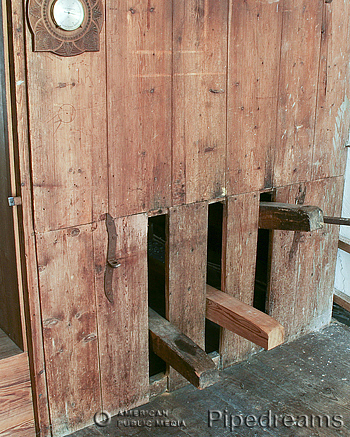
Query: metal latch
[14, 201]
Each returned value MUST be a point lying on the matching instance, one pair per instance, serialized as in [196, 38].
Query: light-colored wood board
[239, 262]
[139, 78]
[7, 347]
[67, 108]
[333, 114]
[341, 299]
[298, 80]
[254, 62]
[188, 233]
[123, 325]
[180, 352]
[16, 405]
[28, 244]
[243, 319]
[68, 304]
[199, 99]
[303, 264]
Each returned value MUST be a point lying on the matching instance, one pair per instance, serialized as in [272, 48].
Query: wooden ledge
[288, 217]
[341, 299]
[243, 319]
[180, 352]
[344, 244]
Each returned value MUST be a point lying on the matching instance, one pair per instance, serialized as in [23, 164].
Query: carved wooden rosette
[50, 38]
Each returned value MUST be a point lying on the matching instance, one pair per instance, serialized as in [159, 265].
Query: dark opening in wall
[262, 273]
[214, 265]
[157, 236]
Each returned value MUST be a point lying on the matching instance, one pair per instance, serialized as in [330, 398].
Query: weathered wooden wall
[187, 102]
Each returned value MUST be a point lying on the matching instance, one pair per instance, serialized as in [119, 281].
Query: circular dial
[68, 14]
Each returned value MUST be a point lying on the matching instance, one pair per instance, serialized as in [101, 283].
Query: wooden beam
[243, 319]
[289, 217]
[180, 352]
[341, 299]
[344, 244]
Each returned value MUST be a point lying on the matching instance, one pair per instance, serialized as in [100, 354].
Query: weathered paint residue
[340, 122]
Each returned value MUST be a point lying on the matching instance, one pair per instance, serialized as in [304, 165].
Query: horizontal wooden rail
[180, 352]
[243, 319]
[342, 299]
[344, 244]
[337, 221]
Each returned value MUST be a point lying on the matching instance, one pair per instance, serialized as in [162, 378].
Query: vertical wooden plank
[300, 54]
[254, 56]
[139, 104]
[66, 274]
[188, 225]
[199, 99]
[303, 263]
[239, 246]
[16, 17]
[67, 100]
[124, 324]
[333, 107]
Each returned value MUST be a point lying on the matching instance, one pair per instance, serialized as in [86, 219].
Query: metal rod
[337, 221]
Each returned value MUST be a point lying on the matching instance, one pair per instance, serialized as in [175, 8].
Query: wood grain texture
[239, 261]
[199, 99]
[16, 406]
[341, 299]
[67, 99]
[67, 291]
[16, 14]
[284, 216]
[181, 353]
[243, 319]
[139, 45]
[254, 63]
[332, 112]
[186, 291]
[300, 54]
[303, 265]
[123, 325]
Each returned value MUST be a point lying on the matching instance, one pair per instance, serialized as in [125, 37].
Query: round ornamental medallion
[66, 27]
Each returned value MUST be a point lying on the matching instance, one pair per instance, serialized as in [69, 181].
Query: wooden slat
[199, 99]
[66, 272]
[188, 225]
[67, 99]
[139, 42]
[17, 16]
[298, 81]
[181, 353]
[283, 216]
[333, 115]
[239, 261]
[123, 325]
[243, 319]
[254, 55]
[303, 264]
[344, 244]
[341, 299]
[16, 407]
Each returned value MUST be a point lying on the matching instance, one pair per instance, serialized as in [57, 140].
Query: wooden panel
[199, 99]
[180, 352]
[344, 244]
[254, 55]
[10, 316]
[123, 324]
[67, 102]
[139, 104]
[239, 263]
[298, 80]
[303, 265]
[342, 299]
[333, 115]
[188, 225]
[66, 274]
[243, 319]
[16, 407]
